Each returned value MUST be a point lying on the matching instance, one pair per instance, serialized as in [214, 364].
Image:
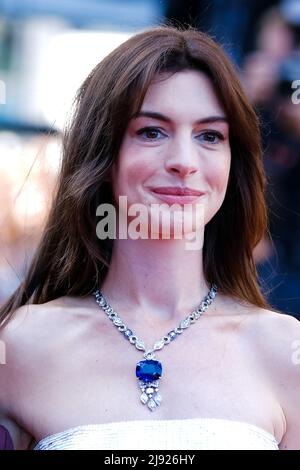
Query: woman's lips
[177, 195]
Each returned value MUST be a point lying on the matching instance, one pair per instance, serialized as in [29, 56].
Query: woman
[161, 120]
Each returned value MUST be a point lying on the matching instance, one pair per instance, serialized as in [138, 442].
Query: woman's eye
[211, 137]
[154, 134]
[150, 133]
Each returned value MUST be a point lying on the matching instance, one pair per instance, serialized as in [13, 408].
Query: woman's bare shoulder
[273, 330]
[27, 328]
[274, 335]
[33, 335]
[275, 338]
[42, 320]
[35, 330]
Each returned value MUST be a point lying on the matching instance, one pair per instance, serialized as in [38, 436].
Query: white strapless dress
[177, 434]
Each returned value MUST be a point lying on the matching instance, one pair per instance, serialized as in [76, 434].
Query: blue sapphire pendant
[148, 373]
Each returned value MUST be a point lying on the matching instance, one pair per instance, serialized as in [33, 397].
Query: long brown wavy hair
[70, 259]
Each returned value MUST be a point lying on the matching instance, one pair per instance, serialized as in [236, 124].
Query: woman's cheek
[217, 180]
[219, 174]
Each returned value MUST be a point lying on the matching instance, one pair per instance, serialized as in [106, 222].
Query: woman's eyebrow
[162, 117]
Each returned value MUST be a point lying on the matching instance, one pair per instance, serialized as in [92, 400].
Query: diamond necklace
[149, 371]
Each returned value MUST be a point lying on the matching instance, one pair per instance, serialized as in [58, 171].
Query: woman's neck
[160, 277]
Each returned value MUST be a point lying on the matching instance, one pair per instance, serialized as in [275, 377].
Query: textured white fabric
[182, 434]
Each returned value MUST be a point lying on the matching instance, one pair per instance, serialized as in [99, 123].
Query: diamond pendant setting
[148, 373]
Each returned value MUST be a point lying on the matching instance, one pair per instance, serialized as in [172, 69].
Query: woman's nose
[183, 157]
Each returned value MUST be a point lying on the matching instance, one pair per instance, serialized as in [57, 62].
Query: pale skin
[235, 363]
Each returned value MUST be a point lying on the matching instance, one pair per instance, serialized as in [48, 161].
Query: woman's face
[187, 146]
